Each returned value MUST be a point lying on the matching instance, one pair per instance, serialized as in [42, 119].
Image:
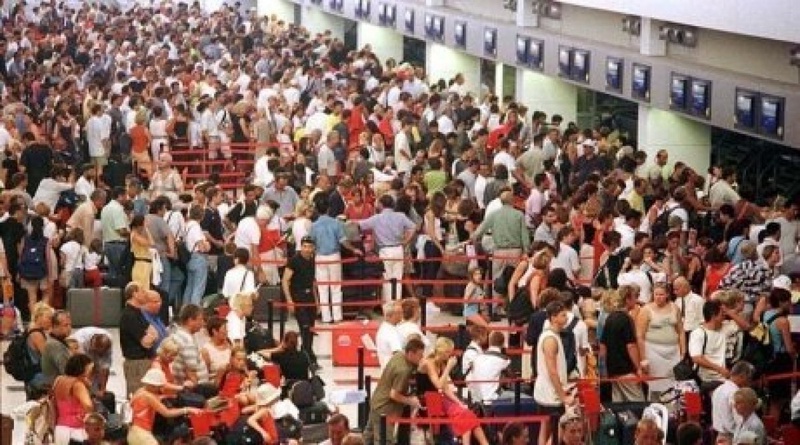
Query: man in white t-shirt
[388, 339]
[402, 147]
[635, 275]
[724, 417]
[487, 369]
[248, 231]
[690, 304]
[707, 346]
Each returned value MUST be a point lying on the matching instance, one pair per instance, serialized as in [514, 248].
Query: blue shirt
[327, 233]
[158, 324]
[388, 226]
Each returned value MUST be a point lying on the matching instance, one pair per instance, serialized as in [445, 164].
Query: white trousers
[329, 293]
[392, 268]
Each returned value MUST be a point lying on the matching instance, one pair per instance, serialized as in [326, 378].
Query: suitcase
[95, 307]
[505, 408]
[264, 295]
[314, 414]
[316, 433]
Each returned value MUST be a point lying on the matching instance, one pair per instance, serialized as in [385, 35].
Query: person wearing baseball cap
[145, 403]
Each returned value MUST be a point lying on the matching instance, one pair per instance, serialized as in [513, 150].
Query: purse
[685, 369]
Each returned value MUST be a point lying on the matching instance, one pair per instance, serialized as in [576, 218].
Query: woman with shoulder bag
[73, 399]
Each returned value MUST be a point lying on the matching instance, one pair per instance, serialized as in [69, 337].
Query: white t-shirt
[487, 366]
[84, 187]
[72, 254]
[238, 279]
[503, 157]
[714, 351]
[247, 233]
[724, 417]
[401, 144]
[408, 328]
[567, 259]
[691, 307]
[194, 234]
[641, 279]
[388, 341]
[236, 328]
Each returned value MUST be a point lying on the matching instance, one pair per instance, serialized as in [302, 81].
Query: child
[235, 382]
[91, 264]
[745, 403]
[475, 312]
[73, 346]
[72, 256]
[261, 420]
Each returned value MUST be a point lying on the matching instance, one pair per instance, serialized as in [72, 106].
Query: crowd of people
[609, 263]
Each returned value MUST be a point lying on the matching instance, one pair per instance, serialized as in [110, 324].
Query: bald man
[151, 310]
[97, 344]
[689, 303]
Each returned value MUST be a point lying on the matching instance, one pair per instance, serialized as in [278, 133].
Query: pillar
[444, 63]
[386, 43]
[525, 16]
[685, 139]
[319, 21]
[283, 9]
[549, 94]
[650, 44]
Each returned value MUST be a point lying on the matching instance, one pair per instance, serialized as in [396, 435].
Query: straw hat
[267, 394]
[154, 377]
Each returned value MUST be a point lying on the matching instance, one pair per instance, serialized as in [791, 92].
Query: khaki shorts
[100, 160]
[40, 284]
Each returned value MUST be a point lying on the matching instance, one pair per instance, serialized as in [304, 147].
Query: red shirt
[231, 384]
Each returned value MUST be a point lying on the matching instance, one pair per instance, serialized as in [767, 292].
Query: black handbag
[520, 308]
[685, 369]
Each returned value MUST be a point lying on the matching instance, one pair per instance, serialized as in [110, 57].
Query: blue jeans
[197, 274]
[117, 263]
[172, 283]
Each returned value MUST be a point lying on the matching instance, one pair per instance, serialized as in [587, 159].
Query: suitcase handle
[96, 311]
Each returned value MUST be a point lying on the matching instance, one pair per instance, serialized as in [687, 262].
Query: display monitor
[580, 65]
[701, 98]
[771, 122]
[490, 41]
[564, 61]
[614, 69]
[522, 49]
[677, 93]
[745, 116]
[640, 82]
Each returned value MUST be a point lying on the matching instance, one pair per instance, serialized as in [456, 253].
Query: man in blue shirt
[328, 234]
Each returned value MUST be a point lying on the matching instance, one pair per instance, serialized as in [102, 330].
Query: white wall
[385, 42]
[772, 19]
[548, 94]
[492, 8]
[317, 21]
[685, 140]
[600, 26]
[283, 9]
[445, 63]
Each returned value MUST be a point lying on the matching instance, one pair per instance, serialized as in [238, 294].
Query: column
[282, 9]
[318, 21]
[685, 139]
[445, 63]
[650, 44]
[549, 94]
[499, 79]
[386, 43]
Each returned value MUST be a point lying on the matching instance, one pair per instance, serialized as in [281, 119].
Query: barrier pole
[282, 323]
[423, 315]
[368, 389]
[490, 278]
[270, 315]
[360, 383]
[394, 289]
[517, 397]
[382, 437]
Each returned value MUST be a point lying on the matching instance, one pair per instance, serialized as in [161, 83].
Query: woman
[261, 420]
[516, 433]
[241, 308]
[293, 362]
[73, 399]
[141, 242]
[140, 144]
[41, 322]
[159, 139]
[165, 355]
[197, 268]
[433, 239]
[735, 324]
[717, 266]
[301, 226]
[358, 209]
[239, 278]
[166, 180]
[785, 354]
[572, 429]
[33, 273]
[434, 376]
[529, 279]
[145, 403]
[566, 257]
[660, 337]
[217, 352]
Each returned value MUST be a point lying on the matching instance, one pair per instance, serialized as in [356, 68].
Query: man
[402, 146]
[724, 417]
[84, 185]
[393, 392]
[96, 343]
[326, 161]
[548, 229]
[136, 338]
[618, 346]
[337, 198]
[636, 197]
[588, 163]
[469, 177]
[56, 351]
[648, 433]
[536, 201]
[690, 304]
[722, 192]
[98, 138]
[163, 239]
[487, 369]
[509, 234]
[660, 171]
[114, 223]
[550, 389]
[36, 161]
[85, 214]
[328, 235]
[392, 232]
[298, 287]
[188, 368]
[338, 429]
[479, 337]
[284, 195]
[532, 160]
[244, 208]
[152, 312]
[636, 275]
[388, 339]
[50, 188]
[707, 347]
[628, 230]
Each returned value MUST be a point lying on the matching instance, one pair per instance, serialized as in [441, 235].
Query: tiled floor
[335, 377]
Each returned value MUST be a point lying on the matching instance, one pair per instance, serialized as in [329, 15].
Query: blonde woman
[145, 403]
[529, 279]
[434, 376]
[141, 242]
[660, 338]
[241, 308]
[41, 322]
[140, 144]
[165, 355]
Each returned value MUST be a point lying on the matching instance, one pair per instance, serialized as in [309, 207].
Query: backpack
[17, 361]
[33, 261]
[758, 350]
[41, 421]
[660, 226]
[302, 394]
[569, 343]
[608, 273]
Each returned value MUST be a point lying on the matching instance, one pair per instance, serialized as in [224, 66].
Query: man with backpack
[56, 351]
[707, 346]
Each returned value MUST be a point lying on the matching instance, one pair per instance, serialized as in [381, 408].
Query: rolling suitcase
[95, 307]
[264, 295]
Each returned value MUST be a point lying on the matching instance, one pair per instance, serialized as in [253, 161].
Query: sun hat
[154, 377]
[267, 394]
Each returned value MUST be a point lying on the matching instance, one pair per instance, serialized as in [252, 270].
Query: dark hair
[322, 203]
[214, 324]
[37, 228]
[189, 312]
[513, 430]
[414, 345]
[711, 309]
[137, 221]
[555, 308]
[558, 279]
[387, 202]
[290, 340]
[242, 255]
[689, 433]
[779, 296]
[76, 365]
